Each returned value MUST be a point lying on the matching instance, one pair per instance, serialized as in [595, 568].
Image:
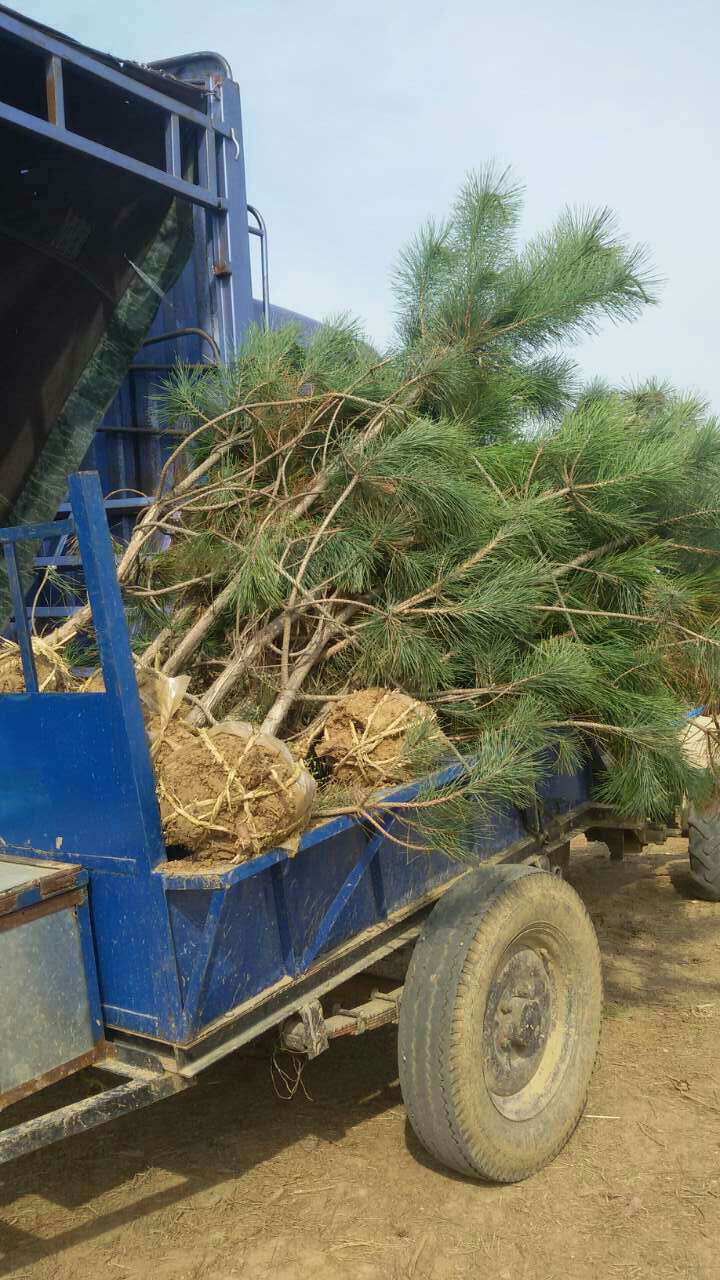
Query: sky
[362, 117]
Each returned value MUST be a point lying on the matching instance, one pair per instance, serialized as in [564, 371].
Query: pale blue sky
[361, 119]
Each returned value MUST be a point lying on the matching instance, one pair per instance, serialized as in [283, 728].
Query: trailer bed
[190, 957]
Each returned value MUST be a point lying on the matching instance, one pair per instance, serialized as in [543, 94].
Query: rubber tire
[448, 1103]
[704, 850]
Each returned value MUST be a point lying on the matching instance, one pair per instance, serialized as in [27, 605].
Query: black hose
[184, 333]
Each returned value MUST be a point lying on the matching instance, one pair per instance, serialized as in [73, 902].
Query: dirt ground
[229, 1180]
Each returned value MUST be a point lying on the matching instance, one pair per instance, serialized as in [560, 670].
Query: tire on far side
[704, 850]
[499, 1023]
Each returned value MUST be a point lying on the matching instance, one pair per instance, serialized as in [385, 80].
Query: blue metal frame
[115, 655]
[18, 603]
[205, 195]
[57, 52]
[66, 51]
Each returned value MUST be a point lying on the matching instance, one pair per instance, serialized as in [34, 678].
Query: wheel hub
[517, 1022]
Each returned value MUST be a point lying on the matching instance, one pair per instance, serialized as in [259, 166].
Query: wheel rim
[529, 1027]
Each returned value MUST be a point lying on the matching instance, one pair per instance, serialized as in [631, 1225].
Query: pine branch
[281, 707]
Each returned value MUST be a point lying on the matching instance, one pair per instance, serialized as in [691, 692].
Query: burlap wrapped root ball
[92, 684]
[701, 743]
[376, 737]
[52, 672]
[228, 792]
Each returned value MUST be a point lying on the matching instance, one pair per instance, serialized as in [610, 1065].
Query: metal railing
[58, 54]
[9, 538]
[261, 232]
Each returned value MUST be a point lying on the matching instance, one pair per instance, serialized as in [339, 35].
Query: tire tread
[433, 1027]
[704, 851]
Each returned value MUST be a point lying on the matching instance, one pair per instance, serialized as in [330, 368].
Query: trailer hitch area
[546, 830]
[552, 839]
[310, 1032]
[143, 1088]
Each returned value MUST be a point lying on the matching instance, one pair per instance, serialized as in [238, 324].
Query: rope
[211, 813]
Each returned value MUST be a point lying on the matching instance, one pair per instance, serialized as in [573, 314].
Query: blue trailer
[114, 956]
[154, 969]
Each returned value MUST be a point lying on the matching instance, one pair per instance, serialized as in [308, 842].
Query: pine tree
[454, 518]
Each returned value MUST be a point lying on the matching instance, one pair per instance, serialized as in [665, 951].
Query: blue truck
[125, 235]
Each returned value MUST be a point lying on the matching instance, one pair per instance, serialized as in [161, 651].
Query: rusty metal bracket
[311, 1029]
[311, 1032]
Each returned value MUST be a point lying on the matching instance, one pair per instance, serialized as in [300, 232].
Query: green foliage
[455, 518]
[467, 289]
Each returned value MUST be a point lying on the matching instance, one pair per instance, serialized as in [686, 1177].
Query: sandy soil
[229, 1180]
